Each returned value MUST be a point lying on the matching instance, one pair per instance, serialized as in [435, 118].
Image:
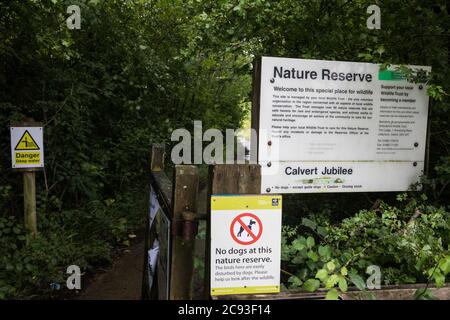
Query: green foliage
[104, 93]
[81, 237]
[410, 243]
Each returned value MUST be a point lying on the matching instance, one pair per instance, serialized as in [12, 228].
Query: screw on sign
[246, 228]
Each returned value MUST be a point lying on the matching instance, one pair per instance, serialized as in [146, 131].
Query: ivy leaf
[311, 285]
[357, 281]
[332, 295]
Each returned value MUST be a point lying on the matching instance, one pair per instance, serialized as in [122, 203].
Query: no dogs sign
[248, 224]
[245, 244]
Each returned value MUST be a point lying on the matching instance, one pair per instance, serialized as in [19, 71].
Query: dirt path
[122, 281]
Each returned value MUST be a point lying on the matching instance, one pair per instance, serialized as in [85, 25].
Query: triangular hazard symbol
[26, 142]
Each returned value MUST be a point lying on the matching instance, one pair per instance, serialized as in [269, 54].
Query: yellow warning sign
[27, 158]
[26, 142]
[245, 256]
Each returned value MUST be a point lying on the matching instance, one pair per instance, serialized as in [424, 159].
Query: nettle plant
[408, 245]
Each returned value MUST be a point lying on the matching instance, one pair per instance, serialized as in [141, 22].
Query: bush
[409, 243]
[84, 237]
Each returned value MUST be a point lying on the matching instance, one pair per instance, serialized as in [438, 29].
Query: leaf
[311, 285]
[343, 284]
[313, 256]
[332, 295]
[332, 281]
[322, 274]
[380, 50]
[444, 265]
[298, 260]
[331, 266]
[298, 245]
[295, 281]
[439, 279]
[322, 231]
[358, 281]
[310, 242]
[324, 251]
[344, 271]
[309, 223]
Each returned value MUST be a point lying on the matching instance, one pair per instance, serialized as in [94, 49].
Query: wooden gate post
[29, 201]
[228, 179]
[184, 229]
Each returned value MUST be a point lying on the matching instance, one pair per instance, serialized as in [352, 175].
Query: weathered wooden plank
[163, 187]
[235, 179]
[249, 179]
[403, 292]
[29, 201]
[157, 157]
[185, 191]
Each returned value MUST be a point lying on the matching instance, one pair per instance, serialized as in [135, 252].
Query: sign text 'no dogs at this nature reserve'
[245, 244]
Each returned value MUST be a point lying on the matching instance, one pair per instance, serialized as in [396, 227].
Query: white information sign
[159, 254]
[245, 244]
[27, 147]
[331, 126]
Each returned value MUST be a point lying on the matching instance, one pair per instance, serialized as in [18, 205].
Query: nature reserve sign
[333, 126]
